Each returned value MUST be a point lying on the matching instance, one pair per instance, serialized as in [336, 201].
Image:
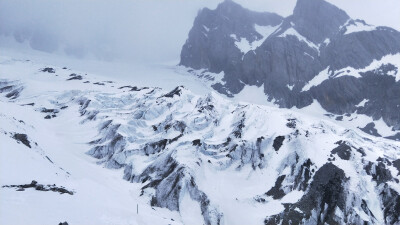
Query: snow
[223, 188]
[253, 94]
[327, 41]
[290, 87]
[362, 103]
[101, 196]
[292, 32]
[353, 121]
[292, 197]
[164, 75]
[350, 71]
[306, 54]
[393, 59]
[358, 27]
[265, 31]
[245, 46]
[203, 77]
[317, 80]
[190, 211]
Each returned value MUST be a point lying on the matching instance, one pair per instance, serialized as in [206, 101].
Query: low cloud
[139, 30]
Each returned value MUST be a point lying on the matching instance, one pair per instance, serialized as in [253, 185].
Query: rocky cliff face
[211, 40]
[317, 54]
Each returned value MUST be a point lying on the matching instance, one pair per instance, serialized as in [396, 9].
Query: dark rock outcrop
[210, 45]
[326, 193]
[23, 138]
[48, 70]
[40, 187]
[370, 129]
[278, 142]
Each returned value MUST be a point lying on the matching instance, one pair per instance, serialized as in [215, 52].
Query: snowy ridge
[317, 80]
[233, 163]
[393, 59]
[293, 32]
[353, 26]
[357, 73]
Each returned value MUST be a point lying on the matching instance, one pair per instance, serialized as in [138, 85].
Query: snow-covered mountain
[317, 55]
[124, 154]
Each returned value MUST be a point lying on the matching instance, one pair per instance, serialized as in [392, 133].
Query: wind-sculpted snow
[237, 163]
[165, 140]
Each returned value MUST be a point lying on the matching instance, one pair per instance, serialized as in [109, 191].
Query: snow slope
[184, 158]
[57, 156]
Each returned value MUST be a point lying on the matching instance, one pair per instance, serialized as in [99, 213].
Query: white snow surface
[253, 94]
[362, 103]
[393, 59]
[293, 32]
[317, 80]
[358, 27]
[101, 196]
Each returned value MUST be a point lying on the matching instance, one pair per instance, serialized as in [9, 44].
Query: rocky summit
[318, 54]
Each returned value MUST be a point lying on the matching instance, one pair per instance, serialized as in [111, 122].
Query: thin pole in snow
[137, 208]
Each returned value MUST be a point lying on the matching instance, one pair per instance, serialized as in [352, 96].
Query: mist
[139, 30]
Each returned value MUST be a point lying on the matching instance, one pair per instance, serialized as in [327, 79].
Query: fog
[139, 30]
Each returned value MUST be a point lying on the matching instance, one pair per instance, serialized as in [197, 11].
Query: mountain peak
[228, 3]
[229, 6]
[318, 19]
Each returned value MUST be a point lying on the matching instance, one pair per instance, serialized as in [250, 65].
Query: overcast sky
[141, 30]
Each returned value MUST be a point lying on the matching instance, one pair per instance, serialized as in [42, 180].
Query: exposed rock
[396, 164]
[278, 141]
[379, 172]
[370, 129]
[40, 187]
[23, 138]
[228, 19]
[99, 83]
[75, 76]
[177, 91]
[48, 70]
[276, 192]
[343, 150]
[312, 41]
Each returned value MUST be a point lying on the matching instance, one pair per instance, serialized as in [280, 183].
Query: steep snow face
[293, 32]
[191, 158]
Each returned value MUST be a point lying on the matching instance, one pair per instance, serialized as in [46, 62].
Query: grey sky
[141, 30]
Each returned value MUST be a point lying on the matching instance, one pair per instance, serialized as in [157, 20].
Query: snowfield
[136, 154]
